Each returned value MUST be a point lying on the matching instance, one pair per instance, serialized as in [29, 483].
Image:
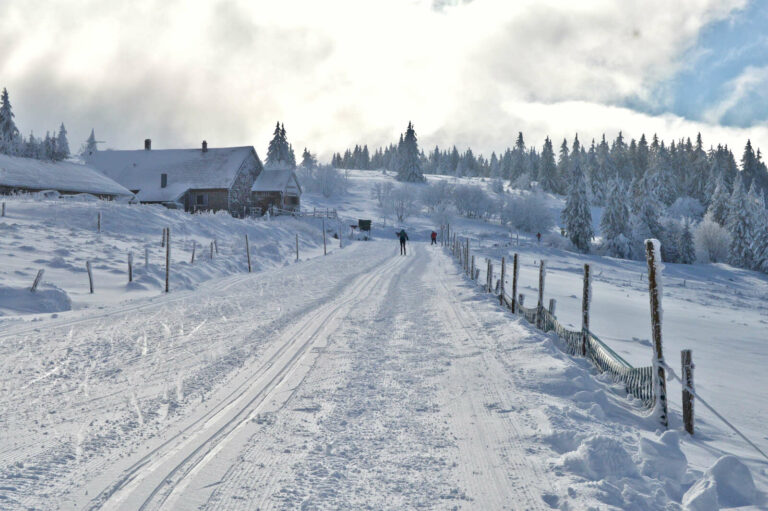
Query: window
[201, 199]
[163, 180]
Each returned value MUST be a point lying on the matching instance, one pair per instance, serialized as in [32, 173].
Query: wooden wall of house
[218, 199]
[265, 200]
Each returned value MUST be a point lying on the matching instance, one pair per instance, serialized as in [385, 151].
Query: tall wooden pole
[501, 290]
[686, 359]
[167, 259]
[90, 275]
[297, 247]
[130, 266]
[514, 283]
[540, 304]
[248, 253]
[585, 299]
[655, 296]
[325, 250]
[472, 271]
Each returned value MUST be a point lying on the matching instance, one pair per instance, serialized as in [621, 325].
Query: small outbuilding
[31, 175]
[276, 188]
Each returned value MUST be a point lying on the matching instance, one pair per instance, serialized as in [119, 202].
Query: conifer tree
[308, 161]
[614, 223]
[563, 167]
[718, 206]
[9, 133]
[577, 215]
[548, 169]
[686, 245]
[62, 144]
[89, 148]
[740, 225]
[760, 243]
[409, 163]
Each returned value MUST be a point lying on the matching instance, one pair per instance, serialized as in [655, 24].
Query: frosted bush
[528, 212]
[472, 201]
[324, 179]
[712, 241]
[686, 207]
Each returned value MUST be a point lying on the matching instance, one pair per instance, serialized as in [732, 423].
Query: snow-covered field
[361, 380]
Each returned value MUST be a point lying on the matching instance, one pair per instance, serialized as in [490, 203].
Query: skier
[434, 238]
[403, 238]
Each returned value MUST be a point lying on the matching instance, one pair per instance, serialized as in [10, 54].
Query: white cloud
[340, 72]
[752, 80]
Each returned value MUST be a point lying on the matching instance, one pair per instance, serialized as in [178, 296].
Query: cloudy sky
[340, 72]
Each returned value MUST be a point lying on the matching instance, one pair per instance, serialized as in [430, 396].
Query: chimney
[147, 144]
[205, 146]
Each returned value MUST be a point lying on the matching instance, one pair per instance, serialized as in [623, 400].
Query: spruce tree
[577, 215]
[62, 144]
[9, 133]
[686, 246]
[548, 168]
[614, 223]
[563, 168]
[409, 163]
[718, 206]
[90, 145]
[308, 161]
[760, 243]
[740, 225]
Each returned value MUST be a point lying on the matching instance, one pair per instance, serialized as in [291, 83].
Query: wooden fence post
[167, 259]
[466, 268]
[325, 251]
[472, 275]
[297, 247]
[194, 246]
[686, 359]
[585, 299]
[540, 304]
[146, 259]
[488, 276]
[503, 274]
[514, 282]
[340, 236]
[216, 246]
[164, 233]
[552, 305]
[248, 253]
[655, 296]
[130, 266]
[90, 275]
[37, 279]
[3, 208]
[211, 256]
[98, 222]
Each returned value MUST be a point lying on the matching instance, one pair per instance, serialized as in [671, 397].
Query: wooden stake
[167, 259]
[325, 250]
[163, 243]
[248, 253]
[194, 246]
[585, 299]
[552, 305]
[90, 275]
[130, 266]
[37, 279]
[540, 304]
[472, 274]
[3, 208]
[503, 276]
[514, 282]
[686, 359]
[655, 296]
[216, 246]
[297, 247]
[211, 251]
[98, 222]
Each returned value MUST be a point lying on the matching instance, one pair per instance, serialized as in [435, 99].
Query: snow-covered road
[362, 380]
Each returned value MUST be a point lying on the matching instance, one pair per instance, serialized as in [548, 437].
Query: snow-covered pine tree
[645, 222]
[686, 246]
[718, 205]
[548, 168]
[62, 144]
[89, 148]
[740, 225]
[308, 161]
[760, 243]
[614, 223]
[696, 181]
[409, 163]
[602, 172]
[563, 168]
[274, 148]
[9, 133]
[577, 215]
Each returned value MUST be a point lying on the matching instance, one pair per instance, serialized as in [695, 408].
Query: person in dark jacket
[403, 238]
[434, 238]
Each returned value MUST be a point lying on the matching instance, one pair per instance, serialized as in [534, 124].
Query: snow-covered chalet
[28, 175]
[191, 179]
[276, 188]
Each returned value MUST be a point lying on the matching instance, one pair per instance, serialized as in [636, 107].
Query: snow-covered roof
[63, 176]
[186, 169]
[275, 180]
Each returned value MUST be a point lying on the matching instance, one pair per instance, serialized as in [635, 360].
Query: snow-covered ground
[358, 380]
